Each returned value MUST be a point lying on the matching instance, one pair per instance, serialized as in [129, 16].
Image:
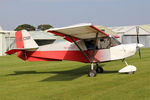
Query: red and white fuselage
[107, 47]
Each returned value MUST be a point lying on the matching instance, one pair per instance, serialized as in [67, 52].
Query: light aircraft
[83, 43]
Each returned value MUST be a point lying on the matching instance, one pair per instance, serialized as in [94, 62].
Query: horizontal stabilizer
[12, 51]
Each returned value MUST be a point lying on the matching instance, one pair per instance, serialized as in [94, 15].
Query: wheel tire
[92, 73]
[99, 70]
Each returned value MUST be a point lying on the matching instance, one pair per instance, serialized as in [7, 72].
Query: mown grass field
[68, 80]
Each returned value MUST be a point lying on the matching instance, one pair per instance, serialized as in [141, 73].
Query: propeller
[137, 35]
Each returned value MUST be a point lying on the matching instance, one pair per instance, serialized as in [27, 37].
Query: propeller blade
[137, 31]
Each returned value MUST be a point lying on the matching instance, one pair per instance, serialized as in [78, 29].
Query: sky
[59, 13]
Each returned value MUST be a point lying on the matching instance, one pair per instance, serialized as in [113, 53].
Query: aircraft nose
[140, 45]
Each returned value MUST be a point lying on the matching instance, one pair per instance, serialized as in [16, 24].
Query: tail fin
[23, 42]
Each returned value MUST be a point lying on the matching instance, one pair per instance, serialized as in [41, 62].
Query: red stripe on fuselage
[63, 55]
[56, 55]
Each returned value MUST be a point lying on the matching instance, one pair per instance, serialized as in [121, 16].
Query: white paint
[28, 40]
[122, 51]
[140, 45]
[72, 26]
[127, 69]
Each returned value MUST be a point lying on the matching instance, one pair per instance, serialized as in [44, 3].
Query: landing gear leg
[99, 69]
[92, 72]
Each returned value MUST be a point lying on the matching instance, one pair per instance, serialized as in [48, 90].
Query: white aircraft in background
[84, 43]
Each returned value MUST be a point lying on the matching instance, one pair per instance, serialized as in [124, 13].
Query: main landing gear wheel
[92, 73]
[99, 70]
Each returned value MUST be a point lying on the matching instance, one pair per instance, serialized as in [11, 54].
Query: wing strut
[80, 49]
[94, 47]
[92, 57]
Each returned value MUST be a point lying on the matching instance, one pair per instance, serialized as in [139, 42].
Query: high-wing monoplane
[83, 43]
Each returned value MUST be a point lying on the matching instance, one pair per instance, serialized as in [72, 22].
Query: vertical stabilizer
[24, 40]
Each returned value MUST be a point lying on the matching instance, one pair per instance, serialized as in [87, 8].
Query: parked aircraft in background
[84, 43]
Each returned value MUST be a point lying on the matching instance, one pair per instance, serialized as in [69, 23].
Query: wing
[80, 31]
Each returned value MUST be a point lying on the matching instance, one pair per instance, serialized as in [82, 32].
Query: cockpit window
[115, 41]
[102, 43]
[107, 42]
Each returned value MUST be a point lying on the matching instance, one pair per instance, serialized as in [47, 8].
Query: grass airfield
[68, 80]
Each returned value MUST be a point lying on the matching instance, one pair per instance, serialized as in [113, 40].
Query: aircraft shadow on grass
[67, 75]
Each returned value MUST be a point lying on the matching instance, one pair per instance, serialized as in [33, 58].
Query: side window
[104, 43]
[44, 42]
[107, 42]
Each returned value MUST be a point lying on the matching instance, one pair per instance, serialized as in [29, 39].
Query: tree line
[28, 27]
